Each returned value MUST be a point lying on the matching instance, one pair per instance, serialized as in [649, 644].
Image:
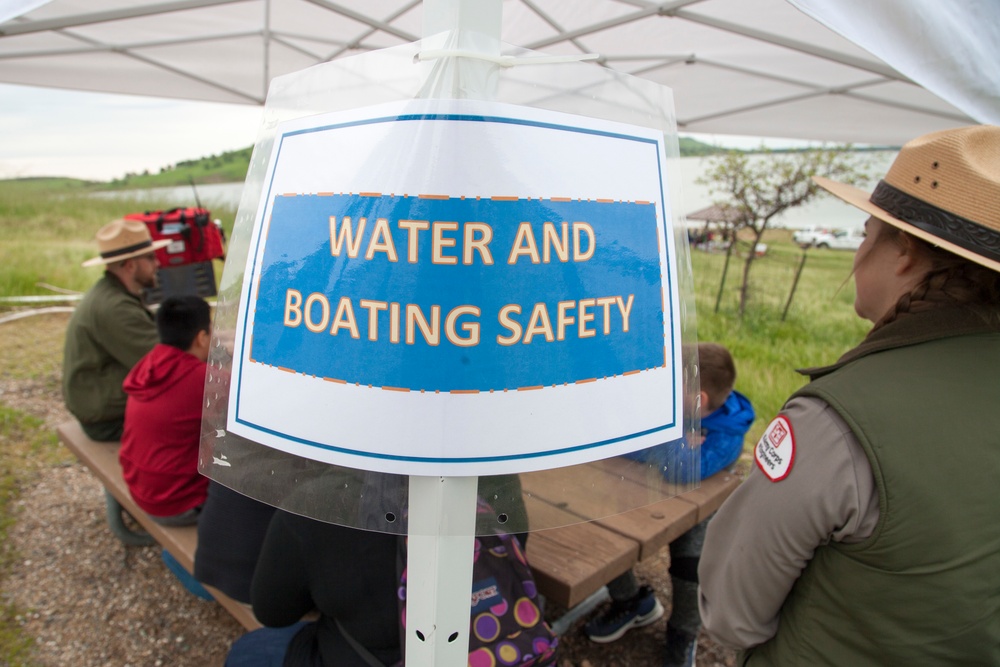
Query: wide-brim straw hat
[944, 188]
[123, 239]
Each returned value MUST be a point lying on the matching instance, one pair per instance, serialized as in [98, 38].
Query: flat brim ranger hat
[123, 239]
[944, 188]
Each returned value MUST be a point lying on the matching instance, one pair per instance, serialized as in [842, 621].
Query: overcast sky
[99, 136]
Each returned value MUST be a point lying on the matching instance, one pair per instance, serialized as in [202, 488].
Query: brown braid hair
[951, 280]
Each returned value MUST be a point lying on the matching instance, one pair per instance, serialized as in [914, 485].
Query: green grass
[47, 233]
[819, 327]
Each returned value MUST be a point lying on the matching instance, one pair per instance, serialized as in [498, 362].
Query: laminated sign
[444, 287]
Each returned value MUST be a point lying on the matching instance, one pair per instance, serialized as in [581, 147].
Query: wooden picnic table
[572, 563]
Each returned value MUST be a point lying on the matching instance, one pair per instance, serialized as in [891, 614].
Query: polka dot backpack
[506, 628]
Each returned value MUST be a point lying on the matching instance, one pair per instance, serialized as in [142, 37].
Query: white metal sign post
[439, 569]
[443, 509]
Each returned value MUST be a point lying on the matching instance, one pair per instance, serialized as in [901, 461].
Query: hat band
[929, 218]
[126, 250]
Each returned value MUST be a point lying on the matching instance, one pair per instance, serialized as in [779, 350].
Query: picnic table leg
[594, 600]
[116, 521]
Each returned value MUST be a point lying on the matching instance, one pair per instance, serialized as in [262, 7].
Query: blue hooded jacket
[723, 429]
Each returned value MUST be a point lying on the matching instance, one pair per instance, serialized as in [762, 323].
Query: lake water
[823, 211]
[212, 195]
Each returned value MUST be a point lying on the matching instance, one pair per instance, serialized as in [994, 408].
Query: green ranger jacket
[108, 333]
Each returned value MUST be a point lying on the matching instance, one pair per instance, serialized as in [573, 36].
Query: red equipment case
[185, 264]
[193, 236]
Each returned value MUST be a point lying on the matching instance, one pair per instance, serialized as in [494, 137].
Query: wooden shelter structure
[724, 219]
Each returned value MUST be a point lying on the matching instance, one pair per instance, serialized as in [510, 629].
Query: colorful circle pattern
[486, 627]
[482, 657]
[526, 613]
[508, 653]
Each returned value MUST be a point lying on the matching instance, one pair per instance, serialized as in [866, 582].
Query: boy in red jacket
[159, 452]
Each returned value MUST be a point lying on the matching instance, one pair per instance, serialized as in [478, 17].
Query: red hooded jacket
[159, 453]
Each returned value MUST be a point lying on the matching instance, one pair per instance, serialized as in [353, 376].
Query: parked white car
[808, 236]
[841, 239]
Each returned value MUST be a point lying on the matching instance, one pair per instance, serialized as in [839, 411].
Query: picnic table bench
[179, 541]
[572, 564]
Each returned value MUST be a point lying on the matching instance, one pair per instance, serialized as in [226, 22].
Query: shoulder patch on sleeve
[775, 451]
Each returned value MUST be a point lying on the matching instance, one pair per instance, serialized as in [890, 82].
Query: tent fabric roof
[747, 67]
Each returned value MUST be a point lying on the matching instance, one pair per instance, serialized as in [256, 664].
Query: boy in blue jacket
[726, 417]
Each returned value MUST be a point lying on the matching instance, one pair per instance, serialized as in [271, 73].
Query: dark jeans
[187, 518]
[264, 647]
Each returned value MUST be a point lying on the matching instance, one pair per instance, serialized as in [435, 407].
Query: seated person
[159, 453]
[110, 329]
[349, 575]
[726, 417]
[231, 530]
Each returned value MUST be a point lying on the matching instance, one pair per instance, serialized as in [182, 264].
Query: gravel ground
[88, 600]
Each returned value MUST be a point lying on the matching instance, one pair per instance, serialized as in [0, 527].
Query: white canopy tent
[744, 67]
[949, 48]
[748, 67]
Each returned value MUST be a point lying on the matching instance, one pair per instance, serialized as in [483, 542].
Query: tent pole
[482, 16]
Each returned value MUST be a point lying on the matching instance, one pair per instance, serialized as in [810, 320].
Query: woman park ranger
[868, 534]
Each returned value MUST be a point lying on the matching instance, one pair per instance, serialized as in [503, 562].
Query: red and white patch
[775, 451]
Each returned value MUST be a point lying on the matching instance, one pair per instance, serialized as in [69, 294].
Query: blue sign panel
[444, 294]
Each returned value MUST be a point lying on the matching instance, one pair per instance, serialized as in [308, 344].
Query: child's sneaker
[638, 611]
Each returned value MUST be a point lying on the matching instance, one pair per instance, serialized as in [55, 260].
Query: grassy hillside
[694, 148]
[228, 167]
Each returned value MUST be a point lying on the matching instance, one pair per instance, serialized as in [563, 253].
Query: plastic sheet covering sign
[443, 287]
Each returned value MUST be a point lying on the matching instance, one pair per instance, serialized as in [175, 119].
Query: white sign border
[655, 388]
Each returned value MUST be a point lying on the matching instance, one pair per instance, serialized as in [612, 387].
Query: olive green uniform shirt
[107, 334]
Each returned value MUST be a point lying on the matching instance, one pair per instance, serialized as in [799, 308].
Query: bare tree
[760, 187]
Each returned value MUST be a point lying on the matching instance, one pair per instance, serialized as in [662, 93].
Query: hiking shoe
[638, 611]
